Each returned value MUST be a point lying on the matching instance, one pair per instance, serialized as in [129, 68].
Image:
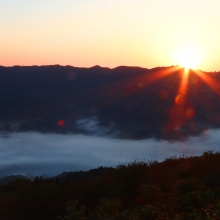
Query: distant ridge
[8, 179]
[133, 102]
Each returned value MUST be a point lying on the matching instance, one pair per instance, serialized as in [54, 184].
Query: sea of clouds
[50, 154]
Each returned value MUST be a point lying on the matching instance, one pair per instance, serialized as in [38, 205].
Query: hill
[177, 188]
[128, 102]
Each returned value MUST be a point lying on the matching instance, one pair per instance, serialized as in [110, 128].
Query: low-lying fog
[51, 154]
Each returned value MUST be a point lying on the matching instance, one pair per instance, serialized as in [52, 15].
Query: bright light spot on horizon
[188, 57]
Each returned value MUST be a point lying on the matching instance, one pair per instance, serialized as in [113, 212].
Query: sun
[188, 57]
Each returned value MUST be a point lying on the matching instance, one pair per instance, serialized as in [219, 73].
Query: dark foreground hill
[128, 102]
[177, 188]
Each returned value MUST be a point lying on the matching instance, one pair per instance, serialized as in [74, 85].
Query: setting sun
[188, 58]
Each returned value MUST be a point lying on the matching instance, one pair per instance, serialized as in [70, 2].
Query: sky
[50, 154]
[110, 33]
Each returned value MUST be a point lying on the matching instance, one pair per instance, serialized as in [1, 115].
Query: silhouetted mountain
[133, 102]
[65, 176]
[8, 179]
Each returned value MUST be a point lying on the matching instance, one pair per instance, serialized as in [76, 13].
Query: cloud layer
[51, 154]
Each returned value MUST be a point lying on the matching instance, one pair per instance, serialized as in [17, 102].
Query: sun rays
[183, 111]
[177, 105]
[209, 80]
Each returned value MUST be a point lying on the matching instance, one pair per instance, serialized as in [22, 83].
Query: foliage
[177, 189]
[72, 213]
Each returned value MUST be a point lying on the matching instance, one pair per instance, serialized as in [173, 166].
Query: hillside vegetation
[134, 102]
[177, 188]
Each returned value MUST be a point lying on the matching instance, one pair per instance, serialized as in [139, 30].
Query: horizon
[111, 68]
[110, 33]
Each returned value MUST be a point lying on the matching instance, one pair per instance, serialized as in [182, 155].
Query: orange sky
[109, 33]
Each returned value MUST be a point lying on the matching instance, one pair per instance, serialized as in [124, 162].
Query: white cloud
[91, 125]
[51, 154]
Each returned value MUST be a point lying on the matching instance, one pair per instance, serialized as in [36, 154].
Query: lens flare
[60, 123]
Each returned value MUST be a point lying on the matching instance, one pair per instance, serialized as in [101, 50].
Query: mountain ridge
[134, 101]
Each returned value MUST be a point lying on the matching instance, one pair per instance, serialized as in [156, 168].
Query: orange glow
[177, 113]
[135, 84]
[184, 82]
[177, 117]
[179, 99]
[182, 91]
[211, 82]
[158, 75]
[190, 113]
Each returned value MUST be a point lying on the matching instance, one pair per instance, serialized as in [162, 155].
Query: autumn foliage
[177, 188]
